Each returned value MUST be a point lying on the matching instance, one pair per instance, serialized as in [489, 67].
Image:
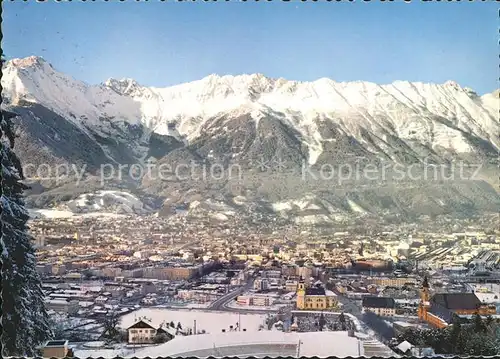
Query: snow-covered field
[49, 213]
[56, 213]
[326, 211]
[106, 201]
[86, 351]
[101, 203]
[211, 322]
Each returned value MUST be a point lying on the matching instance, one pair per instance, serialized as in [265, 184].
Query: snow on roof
[91, 288]
[169, 330]
[141, 324]
[488, 297]
[85, 304]
[57, 301]
[321, 344]
[404, 346]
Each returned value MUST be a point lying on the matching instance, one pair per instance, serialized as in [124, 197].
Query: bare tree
[111, 330]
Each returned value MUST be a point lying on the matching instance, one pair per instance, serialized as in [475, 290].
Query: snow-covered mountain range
[244, 119]
[439, 116]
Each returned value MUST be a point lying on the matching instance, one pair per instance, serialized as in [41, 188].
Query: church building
[439, 309]
[315, 298]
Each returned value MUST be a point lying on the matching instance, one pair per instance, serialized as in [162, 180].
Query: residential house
[382, 306]
[144, 333]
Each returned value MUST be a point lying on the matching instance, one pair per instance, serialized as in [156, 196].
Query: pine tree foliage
[25, 321]
[476, 337]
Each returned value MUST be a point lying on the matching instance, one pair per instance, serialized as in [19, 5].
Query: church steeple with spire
[425, 283]
[424, 299]
[424, 294]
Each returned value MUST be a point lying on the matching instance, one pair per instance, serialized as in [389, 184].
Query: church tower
[301, 294]
[424, 300]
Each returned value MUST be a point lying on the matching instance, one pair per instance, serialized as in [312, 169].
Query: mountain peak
[214, 78]
[124, 86]
[259, 76]
[123, 81]
[452, 84]
[30, 61]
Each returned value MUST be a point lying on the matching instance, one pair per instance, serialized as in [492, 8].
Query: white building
[144, 333]
[62, 305]
[261, 284]
[291, 285]
[255, 300]
[261, 343]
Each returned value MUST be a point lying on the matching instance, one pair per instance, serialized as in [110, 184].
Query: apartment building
[391, 282]
[261, 284]
[255, 300]
[62, 305]
[291, 285]
[382, 306]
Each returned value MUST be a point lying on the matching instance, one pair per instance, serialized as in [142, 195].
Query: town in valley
[126, 285]
[256, 180]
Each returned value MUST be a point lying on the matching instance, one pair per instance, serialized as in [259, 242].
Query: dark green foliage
[476, 337]
[342, 321]
[160, 338]
[25, 322]
[479, 325]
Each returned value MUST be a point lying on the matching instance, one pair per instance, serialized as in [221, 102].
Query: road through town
[219, 304]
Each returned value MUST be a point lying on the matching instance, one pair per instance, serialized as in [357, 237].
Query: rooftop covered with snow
[262, 343]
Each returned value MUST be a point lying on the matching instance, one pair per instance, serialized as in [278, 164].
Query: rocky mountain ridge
[272, 129]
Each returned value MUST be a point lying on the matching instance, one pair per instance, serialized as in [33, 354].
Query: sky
[165, 43]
